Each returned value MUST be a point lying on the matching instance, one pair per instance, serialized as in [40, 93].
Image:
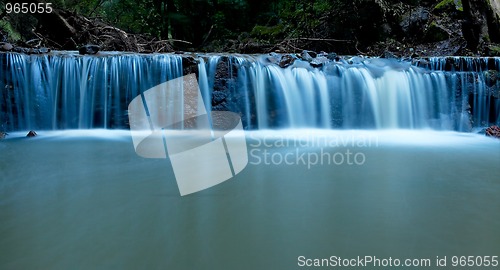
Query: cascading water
[478, 79]
[366, 93]
[66, 91]
[206, 77]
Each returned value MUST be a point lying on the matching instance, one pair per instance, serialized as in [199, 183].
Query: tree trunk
[493, 17]
[474, 26]
[482, 22]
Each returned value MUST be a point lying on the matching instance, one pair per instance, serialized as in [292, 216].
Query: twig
[356, 47]
[323, 39]
[206, 37]
[178, 40]
[33, 41]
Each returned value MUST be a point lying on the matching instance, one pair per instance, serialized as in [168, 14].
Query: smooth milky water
[84, 200]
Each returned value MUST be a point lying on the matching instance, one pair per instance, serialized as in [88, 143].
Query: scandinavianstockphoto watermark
[311, 149]
[170, 120]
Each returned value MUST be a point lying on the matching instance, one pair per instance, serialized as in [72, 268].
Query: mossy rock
[493, 50]
[449, 5]
[435, 33]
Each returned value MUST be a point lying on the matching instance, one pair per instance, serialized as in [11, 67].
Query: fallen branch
[178, 40]
[323, 39]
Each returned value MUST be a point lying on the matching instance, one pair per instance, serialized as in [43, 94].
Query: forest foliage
[215, 25]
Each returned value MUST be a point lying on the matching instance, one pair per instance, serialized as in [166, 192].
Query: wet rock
[6, 47]
[21, 50]
[286, 61]
[319, 61]
[491, 77]
[224, 84]
[322, 53]
[424, 63]
[32, 133]
[2, 135]
[332, 57]
[493, 131]
[274, 58]
[308, 55]
[312, 54]
[43, 50]
[189, 65]
[89, 49]
[219, 97]
[31, 50]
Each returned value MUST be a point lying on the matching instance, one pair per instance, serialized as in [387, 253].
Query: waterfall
[371, 93]
[63, 90]
[67, 91]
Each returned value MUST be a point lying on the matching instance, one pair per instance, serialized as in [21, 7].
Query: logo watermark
[170, 120]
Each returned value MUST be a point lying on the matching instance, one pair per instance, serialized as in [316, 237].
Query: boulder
[89, 49]
[319, 61]
[6, 47]
[286, 61]
[32, 133]
[491, 77]
[273, 58]
[189, 65]
[322, 53]
[43, 50]
[332, 57]
[436, 32]
[493, 131]
[308, 55]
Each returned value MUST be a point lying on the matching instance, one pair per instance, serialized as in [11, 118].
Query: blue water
[84, 200]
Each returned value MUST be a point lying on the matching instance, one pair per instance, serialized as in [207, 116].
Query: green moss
[7, 28]
[270, 32]
[493, 50]
[449, 5]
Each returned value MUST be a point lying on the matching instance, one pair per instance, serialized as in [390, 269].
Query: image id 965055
[28, 8]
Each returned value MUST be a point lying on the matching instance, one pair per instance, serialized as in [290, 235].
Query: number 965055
[25, 8]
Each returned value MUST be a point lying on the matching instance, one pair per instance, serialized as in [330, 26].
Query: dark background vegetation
[405, 27]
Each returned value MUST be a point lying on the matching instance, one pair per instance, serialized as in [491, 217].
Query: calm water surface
[85, 200]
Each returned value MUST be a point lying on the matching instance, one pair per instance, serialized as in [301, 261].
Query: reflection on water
[85, 200]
